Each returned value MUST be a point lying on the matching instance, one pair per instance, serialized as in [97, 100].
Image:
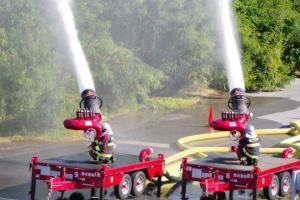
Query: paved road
[287, 115]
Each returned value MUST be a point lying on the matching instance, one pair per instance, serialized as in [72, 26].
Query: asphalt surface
[135, 131]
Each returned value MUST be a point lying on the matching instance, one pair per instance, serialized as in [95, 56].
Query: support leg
[183, 189]
[33, 185]
[93, 193]
[254, 194]
[101, 193]
[230, 194]
[62, 194]
[158, 187]
[49, 193]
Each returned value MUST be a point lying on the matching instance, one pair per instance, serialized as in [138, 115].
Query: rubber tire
[134, 178]
[76, 196]
[219, 195]
[268, 190]
[282, 176]
[118, 189]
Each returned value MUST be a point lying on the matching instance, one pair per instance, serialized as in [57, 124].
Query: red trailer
[127, 174]
[217, 174]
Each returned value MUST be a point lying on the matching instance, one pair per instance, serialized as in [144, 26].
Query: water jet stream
[80, 64]
[230, 46]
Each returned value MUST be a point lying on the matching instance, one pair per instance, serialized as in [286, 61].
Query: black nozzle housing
[90, 101]
[239, 100]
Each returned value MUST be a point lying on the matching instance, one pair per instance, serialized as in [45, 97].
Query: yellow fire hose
[172, 168]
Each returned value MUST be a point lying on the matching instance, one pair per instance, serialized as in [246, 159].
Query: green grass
[51, 136]
[172, 103]
[297, 153]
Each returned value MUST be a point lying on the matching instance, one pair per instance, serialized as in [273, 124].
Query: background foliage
[135, 49]
[270, 37]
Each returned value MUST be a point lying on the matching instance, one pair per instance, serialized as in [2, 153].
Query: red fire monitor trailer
[127, 174]
[219, 173]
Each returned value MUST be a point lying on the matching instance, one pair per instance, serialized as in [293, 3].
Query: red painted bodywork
[145, 153]
[230, 121]
[85, 120]
[215, 179]
[63, 177]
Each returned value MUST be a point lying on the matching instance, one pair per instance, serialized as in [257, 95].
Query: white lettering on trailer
[90, 174]
[75, 174]
[242, 176]
[196, 173]
[227, 175]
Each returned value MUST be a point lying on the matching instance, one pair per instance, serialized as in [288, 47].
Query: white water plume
[231, 51]
[82, 71]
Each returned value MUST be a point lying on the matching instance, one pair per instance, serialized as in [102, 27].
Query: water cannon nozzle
[90, 101]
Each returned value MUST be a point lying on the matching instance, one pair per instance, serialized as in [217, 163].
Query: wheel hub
[125, 187]
[286, 184]
[139, 184]
[274, 188]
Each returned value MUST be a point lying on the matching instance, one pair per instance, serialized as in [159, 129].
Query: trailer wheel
[272, 190]
[138, 183]
[122, 190]
[76, 196]
[285, 183]
[219, 195]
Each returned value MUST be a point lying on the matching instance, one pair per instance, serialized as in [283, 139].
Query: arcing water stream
[231, 50]
[83, 74]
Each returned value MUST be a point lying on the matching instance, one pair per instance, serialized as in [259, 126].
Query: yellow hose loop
[181, 142]
[182, 154]
[278, 131]
[271, 150]
[291, 140]
[296, 124]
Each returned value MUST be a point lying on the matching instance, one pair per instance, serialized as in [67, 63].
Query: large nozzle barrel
[239, 101]
[90, 101]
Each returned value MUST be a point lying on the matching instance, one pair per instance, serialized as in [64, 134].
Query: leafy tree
[177, 37]
[32, 75]
[263, 26]
[120, 77]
